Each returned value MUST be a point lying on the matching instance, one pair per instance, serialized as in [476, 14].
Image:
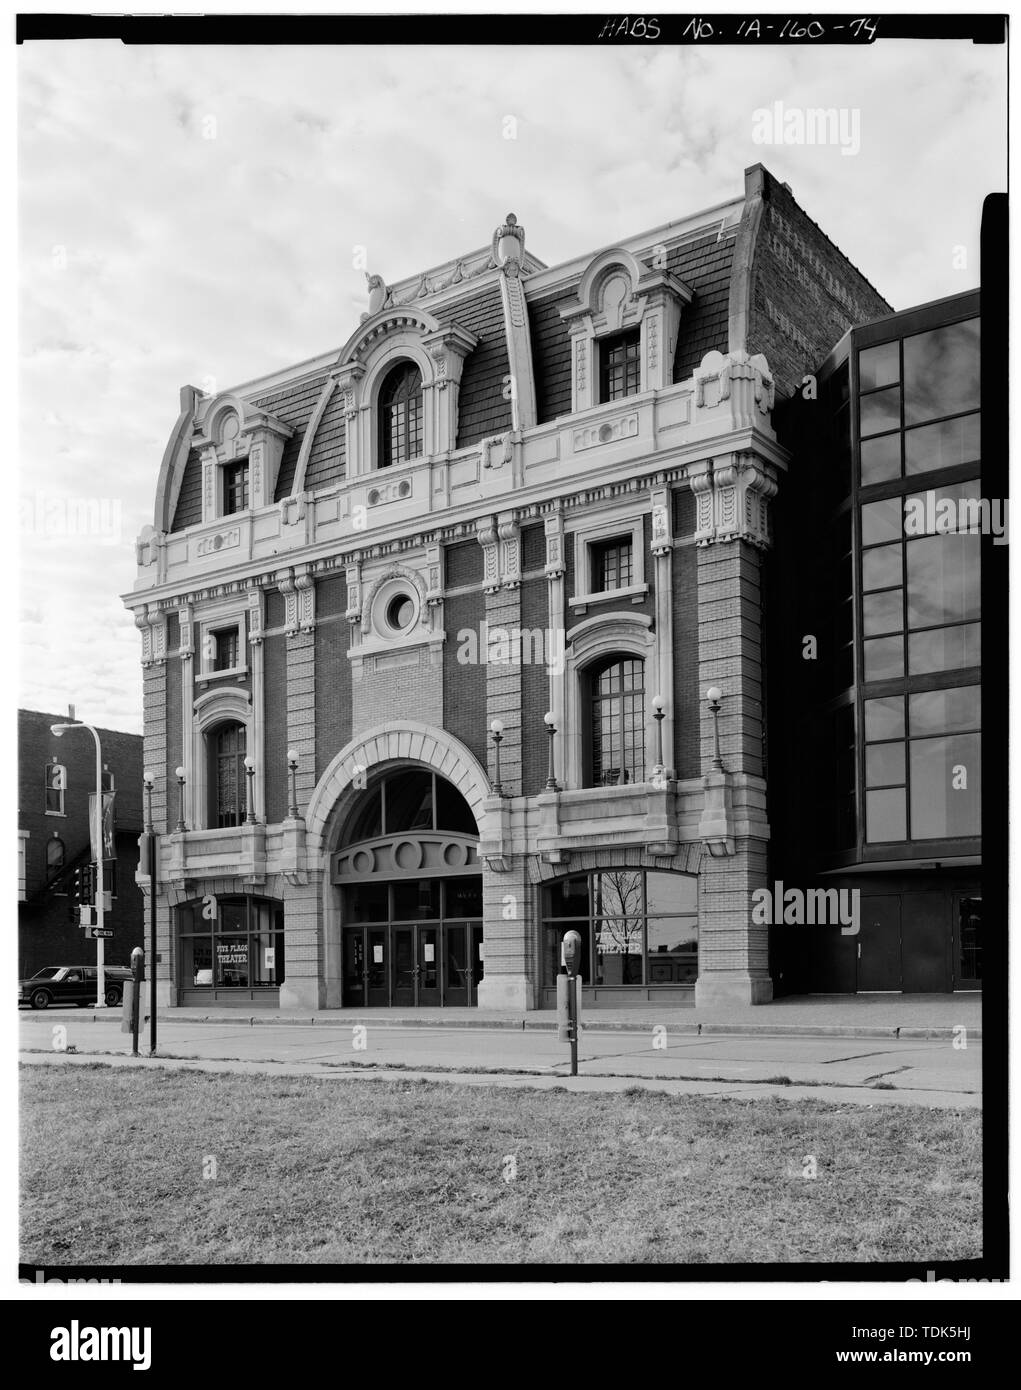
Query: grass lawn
[117, 1164]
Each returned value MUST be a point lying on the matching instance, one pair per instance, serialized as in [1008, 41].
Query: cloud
[188, 213]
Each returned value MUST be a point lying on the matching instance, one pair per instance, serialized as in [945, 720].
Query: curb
[526, 1024]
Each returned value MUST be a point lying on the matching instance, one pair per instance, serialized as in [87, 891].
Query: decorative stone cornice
[485, 529]
[298, 589]
[510, 551]
[731, 498]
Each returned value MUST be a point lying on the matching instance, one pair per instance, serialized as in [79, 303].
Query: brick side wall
[482, 409]
[805, 293]
[464, 684]
[333, 691]
[46, 935]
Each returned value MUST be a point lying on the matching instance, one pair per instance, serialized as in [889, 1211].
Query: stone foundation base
[732, 987]
[166, 995]
[301, 993]
[505, 992]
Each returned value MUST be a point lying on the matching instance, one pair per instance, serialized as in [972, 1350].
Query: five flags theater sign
[428, 624]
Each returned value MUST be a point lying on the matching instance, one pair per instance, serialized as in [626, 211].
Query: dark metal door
[879, 951]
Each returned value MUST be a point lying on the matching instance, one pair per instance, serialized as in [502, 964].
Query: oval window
[400, 612]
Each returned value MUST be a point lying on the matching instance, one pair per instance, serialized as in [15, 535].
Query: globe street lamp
[714, 695]
[551, 729]
[496, 729]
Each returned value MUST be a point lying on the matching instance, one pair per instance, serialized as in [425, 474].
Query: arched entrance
[410, 886]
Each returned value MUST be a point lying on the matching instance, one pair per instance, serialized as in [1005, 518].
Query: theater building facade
[428, 624]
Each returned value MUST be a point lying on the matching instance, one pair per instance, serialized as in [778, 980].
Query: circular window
[400, 612]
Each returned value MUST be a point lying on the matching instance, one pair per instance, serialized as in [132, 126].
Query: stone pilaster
[303, 985]
[509, 942]
[733, 951]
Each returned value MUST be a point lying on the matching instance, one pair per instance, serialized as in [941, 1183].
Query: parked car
[71, 984]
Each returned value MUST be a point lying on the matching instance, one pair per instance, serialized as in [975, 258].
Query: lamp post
[714, 695]
[659, 716]
[150, 832]
[551, 729]
[179, 774]
[292, 763]
[496, 729]
[58, 730]
[250, 797]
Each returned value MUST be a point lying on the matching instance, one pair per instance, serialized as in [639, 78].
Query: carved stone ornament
[509, 244]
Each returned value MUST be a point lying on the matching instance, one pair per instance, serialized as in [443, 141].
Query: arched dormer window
[615, 718]
[400, 415]
[227, 744]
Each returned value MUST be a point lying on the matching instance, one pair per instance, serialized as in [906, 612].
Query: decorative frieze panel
[396, 491]
[608, 432]
[424, 855]
[220, 540]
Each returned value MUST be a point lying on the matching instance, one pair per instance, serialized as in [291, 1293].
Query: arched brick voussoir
[396, 743]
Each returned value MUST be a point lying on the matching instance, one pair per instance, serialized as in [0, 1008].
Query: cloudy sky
[190, 215]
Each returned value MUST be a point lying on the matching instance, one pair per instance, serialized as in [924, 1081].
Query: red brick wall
[805, 293]
[464, 684]
[332, 691]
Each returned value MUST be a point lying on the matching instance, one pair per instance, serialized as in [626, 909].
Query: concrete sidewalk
[936, 1072]
[835, 1015]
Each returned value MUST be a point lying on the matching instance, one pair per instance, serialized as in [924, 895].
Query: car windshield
[50, 972]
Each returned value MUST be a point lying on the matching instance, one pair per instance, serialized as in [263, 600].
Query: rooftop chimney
[70, 711]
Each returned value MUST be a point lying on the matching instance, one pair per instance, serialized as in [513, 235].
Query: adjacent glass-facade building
[876, 689]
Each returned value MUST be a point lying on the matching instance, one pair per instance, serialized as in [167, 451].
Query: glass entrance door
[462, 963]
[407, 963]
[405, 967]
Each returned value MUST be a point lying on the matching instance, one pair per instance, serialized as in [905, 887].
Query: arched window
[227, 744]
[400, 415]
[615, 723]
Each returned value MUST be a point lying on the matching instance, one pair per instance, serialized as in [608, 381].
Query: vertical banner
[108, 826]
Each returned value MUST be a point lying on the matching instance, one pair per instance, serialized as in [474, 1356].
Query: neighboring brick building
[56, 778]
[515, 490]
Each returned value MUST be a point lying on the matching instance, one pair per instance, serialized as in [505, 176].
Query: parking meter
[568, 995]
[137, 976]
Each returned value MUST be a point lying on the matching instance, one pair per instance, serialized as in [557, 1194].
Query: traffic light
[76, 887]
